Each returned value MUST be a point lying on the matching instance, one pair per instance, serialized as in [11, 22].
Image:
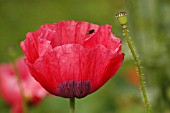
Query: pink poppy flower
[10, 91]
[72, 59]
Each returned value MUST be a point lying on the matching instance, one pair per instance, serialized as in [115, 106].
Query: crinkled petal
[109, 69]
[34, 47]
[66, 32]
[71, 64]
[104, 37]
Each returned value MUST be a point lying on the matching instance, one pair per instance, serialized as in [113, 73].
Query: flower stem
[139, 69]
[123, 21]
[72, 105]
[20, 87]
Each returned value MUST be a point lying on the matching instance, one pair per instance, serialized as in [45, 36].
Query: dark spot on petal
[74, 88]
[90, 31]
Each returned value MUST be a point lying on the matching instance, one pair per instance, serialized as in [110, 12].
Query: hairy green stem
[137, 61]
[20, 87]
[72, 105]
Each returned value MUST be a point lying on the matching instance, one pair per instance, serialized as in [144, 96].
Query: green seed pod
[122, 18]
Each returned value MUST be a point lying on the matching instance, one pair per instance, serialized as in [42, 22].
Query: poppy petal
[73, 62]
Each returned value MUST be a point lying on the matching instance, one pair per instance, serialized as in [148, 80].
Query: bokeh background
[149, 26]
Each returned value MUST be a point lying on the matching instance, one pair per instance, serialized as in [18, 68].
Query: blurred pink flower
[72, 59]
[10, 91]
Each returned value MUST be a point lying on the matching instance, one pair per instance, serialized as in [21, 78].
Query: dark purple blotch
[71, 89]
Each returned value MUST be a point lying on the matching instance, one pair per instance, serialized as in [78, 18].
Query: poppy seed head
[122, 18]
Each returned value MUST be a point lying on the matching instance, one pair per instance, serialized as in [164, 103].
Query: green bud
[122, 18]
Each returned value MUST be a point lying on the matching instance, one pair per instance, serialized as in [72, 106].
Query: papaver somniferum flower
[72, 59]
[9, 88]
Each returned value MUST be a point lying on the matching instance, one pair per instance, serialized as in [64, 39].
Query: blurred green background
[149, 26]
